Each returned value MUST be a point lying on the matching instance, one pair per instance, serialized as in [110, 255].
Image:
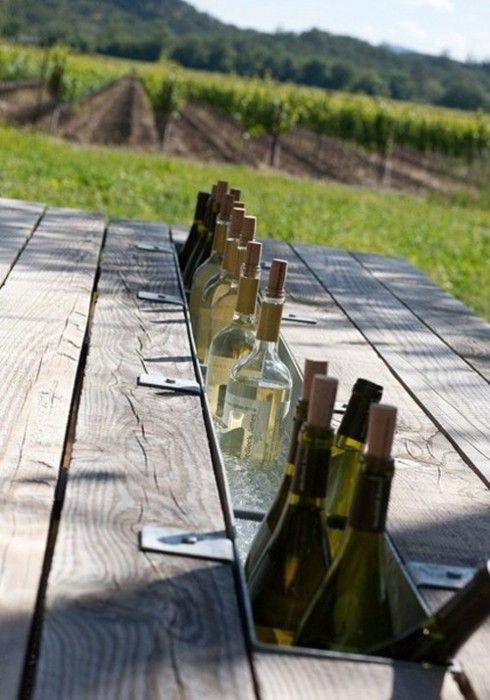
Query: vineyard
[261, 107]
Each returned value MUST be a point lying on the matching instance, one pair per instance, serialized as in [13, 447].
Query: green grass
[447, 239]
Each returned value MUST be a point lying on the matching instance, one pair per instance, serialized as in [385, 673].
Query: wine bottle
[438, 637]
[212, 265]
[238, 338]
[351, 610]
[198, 254]
[346, 453]
[270, 521]
[202, 199]
[297, 557]
[223, 306]
[217, 285]
[206, 252]
[259, 390]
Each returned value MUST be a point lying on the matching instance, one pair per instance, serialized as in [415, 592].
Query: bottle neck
[355, 421]
[244, 319]
[371, 496]
[247, 295]
[219, 237]
[311, 465]
[229, 257]
[270, 320]
[300, 414]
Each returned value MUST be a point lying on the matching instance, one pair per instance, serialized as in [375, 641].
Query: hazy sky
[461, 27]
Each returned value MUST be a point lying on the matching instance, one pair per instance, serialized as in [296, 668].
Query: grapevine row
[265, 107]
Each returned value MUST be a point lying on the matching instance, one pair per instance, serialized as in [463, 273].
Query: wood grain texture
[450, 319]
[17, 222]
[439, 507]
[44, 306]
[121, 623]
[455, 397]
[297, 678]
[474, 655]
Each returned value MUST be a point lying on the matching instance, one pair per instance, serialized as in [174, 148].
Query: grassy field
[448, 239]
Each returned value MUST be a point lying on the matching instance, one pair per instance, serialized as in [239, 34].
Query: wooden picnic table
[88, 458]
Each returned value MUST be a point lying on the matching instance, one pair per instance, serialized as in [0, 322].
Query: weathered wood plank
[119, 622]
[44, 307]
[449, 390]
[17, 222]
[449, 318]
[473, 656]
[294, 678]
[439, 507]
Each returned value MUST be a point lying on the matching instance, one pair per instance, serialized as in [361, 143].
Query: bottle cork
[221, 187]
[321, 401]
[247, 231]
[248, 285]
[226, 207]
[229, 255]
[251, 267]
[236, 193]
[381, 430]
[277, 279]
[312, 367]
[237, 216]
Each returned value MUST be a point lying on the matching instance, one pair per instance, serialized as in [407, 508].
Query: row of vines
[262, 107]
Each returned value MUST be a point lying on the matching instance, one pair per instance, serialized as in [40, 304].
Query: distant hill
[146, 29]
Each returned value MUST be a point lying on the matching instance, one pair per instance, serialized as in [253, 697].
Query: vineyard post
[42, 80]
[388, 163]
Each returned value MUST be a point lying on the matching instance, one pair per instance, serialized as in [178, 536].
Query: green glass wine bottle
[438, 637]
[258, 393]
[202, 199]
[238, 338]
[210, 219]
[268, 524]
[351, 611]
[297, 557]
[346, 453]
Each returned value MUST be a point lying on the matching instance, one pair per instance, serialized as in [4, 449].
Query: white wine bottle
[223, 306]
[217, 285]
[258, 394]
[238, 338]
[438, 637]
[346, 454]
[212, 265]
[297, 557]
[351, 611]
[268, 524]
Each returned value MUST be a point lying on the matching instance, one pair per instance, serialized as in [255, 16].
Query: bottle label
[262, 434]
[370, 503]
[216, 382]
